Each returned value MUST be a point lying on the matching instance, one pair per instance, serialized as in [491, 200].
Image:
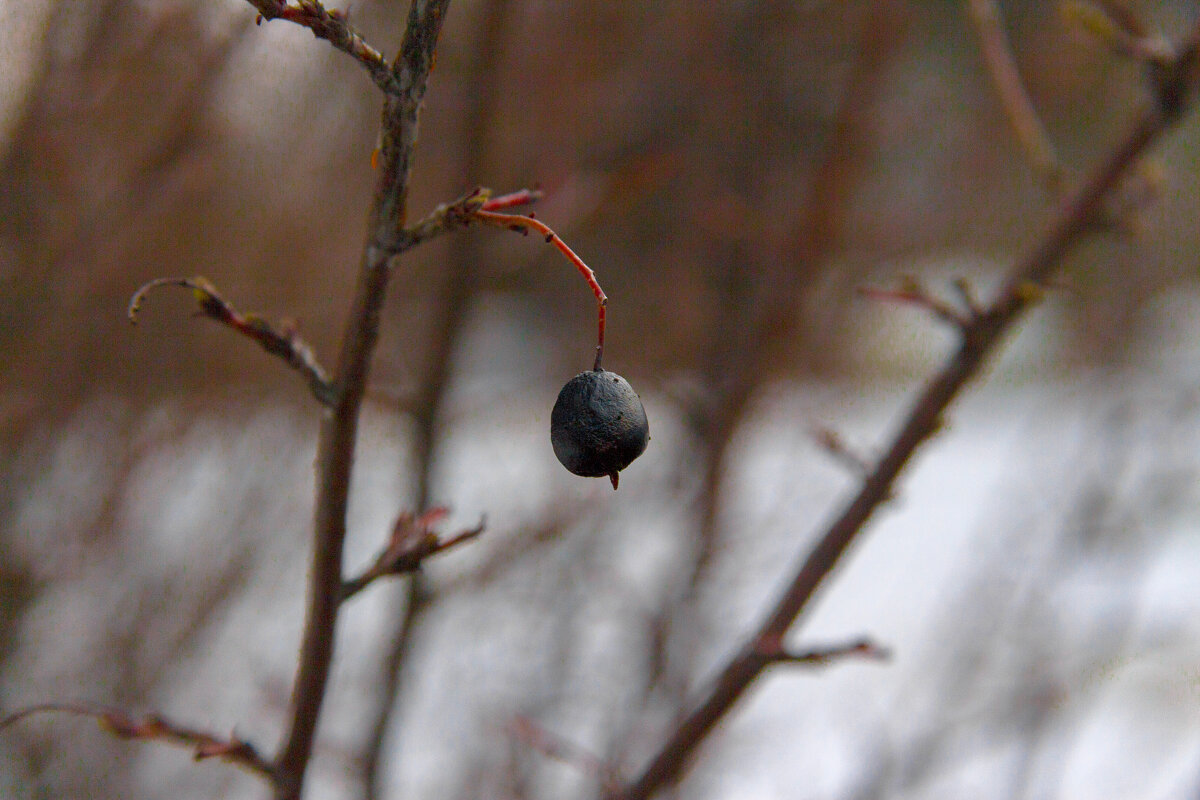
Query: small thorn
[614, 477]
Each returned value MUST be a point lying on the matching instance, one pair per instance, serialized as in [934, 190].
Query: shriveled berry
[598, 426]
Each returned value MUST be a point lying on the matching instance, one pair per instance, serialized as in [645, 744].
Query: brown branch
[335, 449]
[776, 653]
[284, 341]
[154, 727]
[333, 27]
[912, 293]
[835, 445]
[997, 55]
[413, 540]
[1173, 87]
[1116, 25]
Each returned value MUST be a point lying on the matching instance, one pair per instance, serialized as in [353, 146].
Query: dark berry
[598, 426]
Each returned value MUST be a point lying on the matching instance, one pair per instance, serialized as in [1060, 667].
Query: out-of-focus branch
[1174, 86]
[339, 428]
[776, 653]
[553, 746]
[333, 27]
[1119, 26]
[443, 327]
[997, 55]
[154, 727]
[283, 341]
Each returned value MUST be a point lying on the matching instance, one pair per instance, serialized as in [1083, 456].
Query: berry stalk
[524, 224]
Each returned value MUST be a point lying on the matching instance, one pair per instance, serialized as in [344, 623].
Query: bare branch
[154, 727]
[998, 57]
[1116, 25]
[1071, 220]
[413, 540]
[283, 341]
[335, 449]
[835, 445]
[912, 293]
[775, 653]
[333, 27]
[458, 214]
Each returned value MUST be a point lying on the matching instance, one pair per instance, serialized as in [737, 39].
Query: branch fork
[334, 27]
[412, 541]
[911, 292]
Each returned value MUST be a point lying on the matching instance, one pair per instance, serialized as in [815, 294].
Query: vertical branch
[444, 328]
[339, 427]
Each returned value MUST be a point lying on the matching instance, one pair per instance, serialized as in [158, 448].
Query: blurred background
[735, 172]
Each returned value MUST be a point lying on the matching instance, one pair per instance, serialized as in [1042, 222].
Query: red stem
[519, 222]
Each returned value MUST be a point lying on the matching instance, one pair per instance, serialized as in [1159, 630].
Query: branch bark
[1173, 87]
[339, 427]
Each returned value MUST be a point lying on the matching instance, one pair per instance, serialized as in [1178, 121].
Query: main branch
[339, 427]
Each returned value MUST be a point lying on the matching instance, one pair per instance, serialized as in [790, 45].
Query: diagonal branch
[413, 540]
[339, 428]
[283, 341]
[154, 727]
[998, 57]
[1174, 86]
[333, 27]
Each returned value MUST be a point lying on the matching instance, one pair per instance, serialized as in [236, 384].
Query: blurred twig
[154, 727]
[1173, 86]
[551, 745]
[997, 55]
[1120, 28]
[776, 653]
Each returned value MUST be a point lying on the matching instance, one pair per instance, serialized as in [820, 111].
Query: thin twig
[335, 448]
[458, 213]
[1073, 218]
[915, 295]
[1123, 31]
[154, 727]
[523, 224]
[283, 341]
[835, 445]
[333, 27]
[552, 745]
[997, 55]
[413, 540]
[776, 653]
